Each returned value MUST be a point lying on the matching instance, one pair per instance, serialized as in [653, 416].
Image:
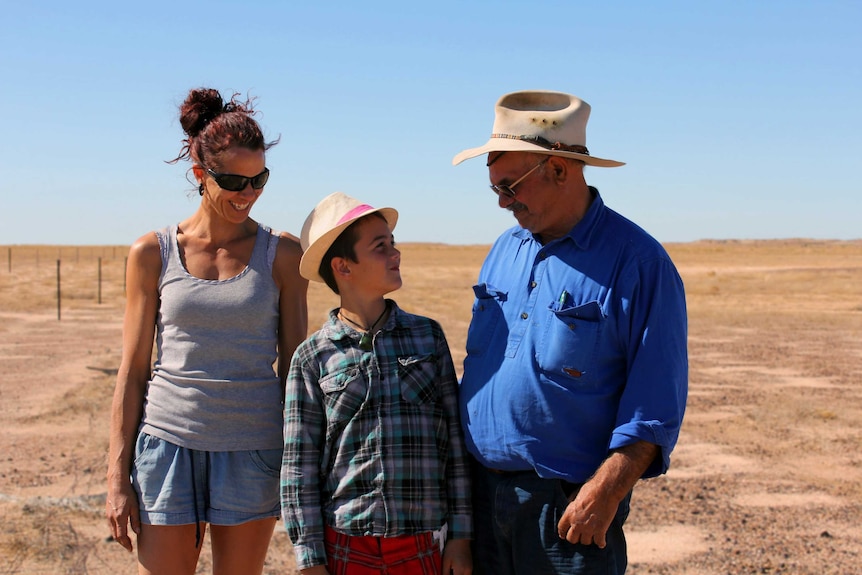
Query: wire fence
[55, 279]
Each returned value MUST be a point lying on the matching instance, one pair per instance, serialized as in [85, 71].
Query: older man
[576, 374]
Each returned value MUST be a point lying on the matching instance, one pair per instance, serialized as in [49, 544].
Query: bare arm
[590, 513]
[142, 275]
[293, 309]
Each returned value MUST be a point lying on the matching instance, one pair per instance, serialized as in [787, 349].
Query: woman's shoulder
[147, 246]
[285, 265]
[288, 252]
[145, 255]
[289, 243]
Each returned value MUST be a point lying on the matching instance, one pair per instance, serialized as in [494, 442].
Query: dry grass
[776, 360]
[29, 277]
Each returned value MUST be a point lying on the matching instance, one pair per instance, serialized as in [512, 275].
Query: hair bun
[199, 109]
[212, 126]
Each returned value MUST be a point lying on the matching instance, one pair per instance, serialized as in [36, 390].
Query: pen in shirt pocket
[563, 297]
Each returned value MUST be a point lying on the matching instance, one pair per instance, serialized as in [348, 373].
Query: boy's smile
[378, 265]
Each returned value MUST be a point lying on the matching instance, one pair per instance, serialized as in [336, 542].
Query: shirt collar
[582, 232]
[335, 329]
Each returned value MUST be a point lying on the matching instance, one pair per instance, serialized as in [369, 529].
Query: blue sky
[736, 119]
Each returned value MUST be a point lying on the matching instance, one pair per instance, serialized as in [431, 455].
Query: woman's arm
[293, 309]
[139, 324]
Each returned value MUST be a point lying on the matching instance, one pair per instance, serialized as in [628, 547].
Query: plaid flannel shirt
[373, 443]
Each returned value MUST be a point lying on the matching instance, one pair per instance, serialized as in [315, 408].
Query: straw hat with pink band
[541, 122]
[325, 223]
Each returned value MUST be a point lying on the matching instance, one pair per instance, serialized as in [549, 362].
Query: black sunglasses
[235, 183]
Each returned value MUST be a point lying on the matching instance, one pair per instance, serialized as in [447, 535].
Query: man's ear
[559, 169]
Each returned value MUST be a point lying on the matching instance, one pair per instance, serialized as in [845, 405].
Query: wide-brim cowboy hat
[541, 122]
[326, 222]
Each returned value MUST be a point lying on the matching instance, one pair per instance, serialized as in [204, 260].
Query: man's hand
[587, 518]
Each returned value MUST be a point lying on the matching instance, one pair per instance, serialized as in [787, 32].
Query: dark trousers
[515, 518]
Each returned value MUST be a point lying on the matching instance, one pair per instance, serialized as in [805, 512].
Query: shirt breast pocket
[418, 377]
[344, 393]
[568, 346]
[487, 313]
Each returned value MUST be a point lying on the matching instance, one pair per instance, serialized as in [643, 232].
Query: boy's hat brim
[325, 223]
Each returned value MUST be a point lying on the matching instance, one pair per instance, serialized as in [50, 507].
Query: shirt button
[532, 284]
[524, 315]
[571, 326]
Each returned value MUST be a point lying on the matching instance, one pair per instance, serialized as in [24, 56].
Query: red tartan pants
[405, 555]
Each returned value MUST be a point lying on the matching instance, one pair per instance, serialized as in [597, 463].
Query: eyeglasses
[235, 183]
[508, 190]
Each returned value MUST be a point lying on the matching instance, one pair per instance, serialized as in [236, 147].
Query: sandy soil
[767, 477]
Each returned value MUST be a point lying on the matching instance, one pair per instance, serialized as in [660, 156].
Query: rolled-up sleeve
[653, 399]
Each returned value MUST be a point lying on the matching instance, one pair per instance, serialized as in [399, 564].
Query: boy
[374, 458]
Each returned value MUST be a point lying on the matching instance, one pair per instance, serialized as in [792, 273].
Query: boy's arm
[460, 516]
[304, 425]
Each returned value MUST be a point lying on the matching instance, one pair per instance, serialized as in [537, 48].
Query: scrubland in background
[767, 477]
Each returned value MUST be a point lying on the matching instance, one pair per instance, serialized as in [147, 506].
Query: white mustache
[516, 207]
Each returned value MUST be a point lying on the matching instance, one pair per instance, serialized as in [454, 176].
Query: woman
[196, 436]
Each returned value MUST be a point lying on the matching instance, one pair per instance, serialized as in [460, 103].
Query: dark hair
[344, 246]
[213, 126]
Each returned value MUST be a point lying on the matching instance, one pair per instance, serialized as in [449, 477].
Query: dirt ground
[767, 476]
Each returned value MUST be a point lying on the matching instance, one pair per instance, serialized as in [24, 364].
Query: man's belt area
[569, 488]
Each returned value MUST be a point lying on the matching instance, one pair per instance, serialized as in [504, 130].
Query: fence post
[58, 290]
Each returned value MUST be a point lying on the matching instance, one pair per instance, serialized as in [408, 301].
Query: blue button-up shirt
[576, 348]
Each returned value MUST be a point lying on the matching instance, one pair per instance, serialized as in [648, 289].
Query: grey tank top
[214, 386]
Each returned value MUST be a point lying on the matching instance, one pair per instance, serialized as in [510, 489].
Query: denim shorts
[179, 486]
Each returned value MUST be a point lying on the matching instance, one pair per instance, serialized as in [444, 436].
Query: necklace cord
[369, 328]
